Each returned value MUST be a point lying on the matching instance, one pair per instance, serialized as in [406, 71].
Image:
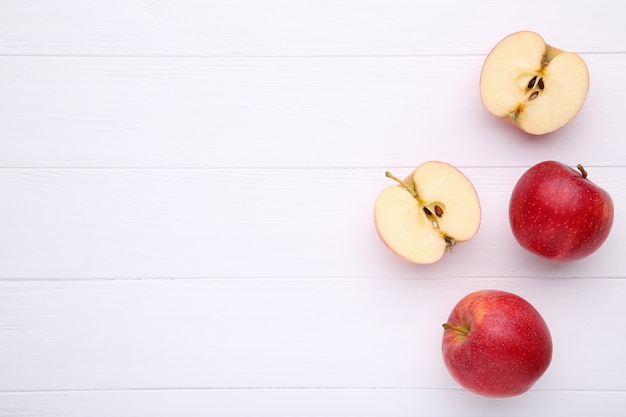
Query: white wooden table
[186, 192]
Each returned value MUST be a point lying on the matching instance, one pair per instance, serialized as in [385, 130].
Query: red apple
[496, 344]
[557, 213]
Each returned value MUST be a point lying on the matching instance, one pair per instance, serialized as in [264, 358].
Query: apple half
[533, 85]
[430, 211]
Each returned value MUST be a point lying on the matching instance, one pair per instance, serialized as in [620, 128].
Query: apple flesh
[533, 85]
[430, 211]
[557, 213]
[496, 344]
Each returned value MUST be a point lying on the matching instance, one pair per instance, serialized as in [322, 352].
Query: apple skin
[559, 214]
[496, 344]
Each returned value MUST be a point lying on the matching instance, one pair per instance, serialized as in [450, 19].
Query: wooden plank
[288, 333]
[186, 223]
[283, 112]
[186, 193]
[286, 27]
[310, 403]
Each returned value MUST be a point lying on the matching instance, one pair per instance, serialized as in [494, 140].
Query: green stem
[402, 183]
[461, 330]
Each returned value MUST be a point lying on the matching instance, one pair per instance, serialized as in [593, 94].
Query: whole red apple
[556, 212]
[496, 344]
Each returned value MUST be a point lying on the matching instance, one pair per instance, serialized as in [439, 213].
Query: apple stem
[582, 170]
[402, 183]
[456, 329]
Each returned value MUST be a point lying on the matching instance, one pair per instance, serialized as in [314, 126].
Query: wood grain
[283, 112]
[204, 223]
[286, 332]
[309, 403]
[186, 192]
[300, 27]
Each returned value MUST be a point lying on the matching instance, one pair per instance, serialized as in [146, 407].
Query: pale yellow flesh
[404, 228]
[513, 63]
[567, 83]
[412, 234]
[440, 182]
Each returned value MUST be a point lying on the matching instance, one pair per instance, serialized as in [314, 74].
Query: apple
[496, 344]
[556, 212]
[432, 210]
[533, 85]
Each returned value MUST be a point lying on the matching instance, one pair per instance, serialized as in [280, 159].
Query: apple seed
[463, 330]
[533, 95]
[540, 84]
[427, 211]
[438, 211]
[531, 84]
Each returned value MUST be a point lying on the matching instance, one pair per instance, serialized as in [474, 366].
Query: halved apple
[533, 85]
[430, 211]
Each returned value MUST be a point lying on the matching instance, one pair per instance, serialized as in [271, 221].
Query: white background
[186, 192]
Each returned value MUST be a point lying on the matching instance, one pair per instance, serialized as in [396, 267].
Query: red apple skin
[559, 214]
[507, 346]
